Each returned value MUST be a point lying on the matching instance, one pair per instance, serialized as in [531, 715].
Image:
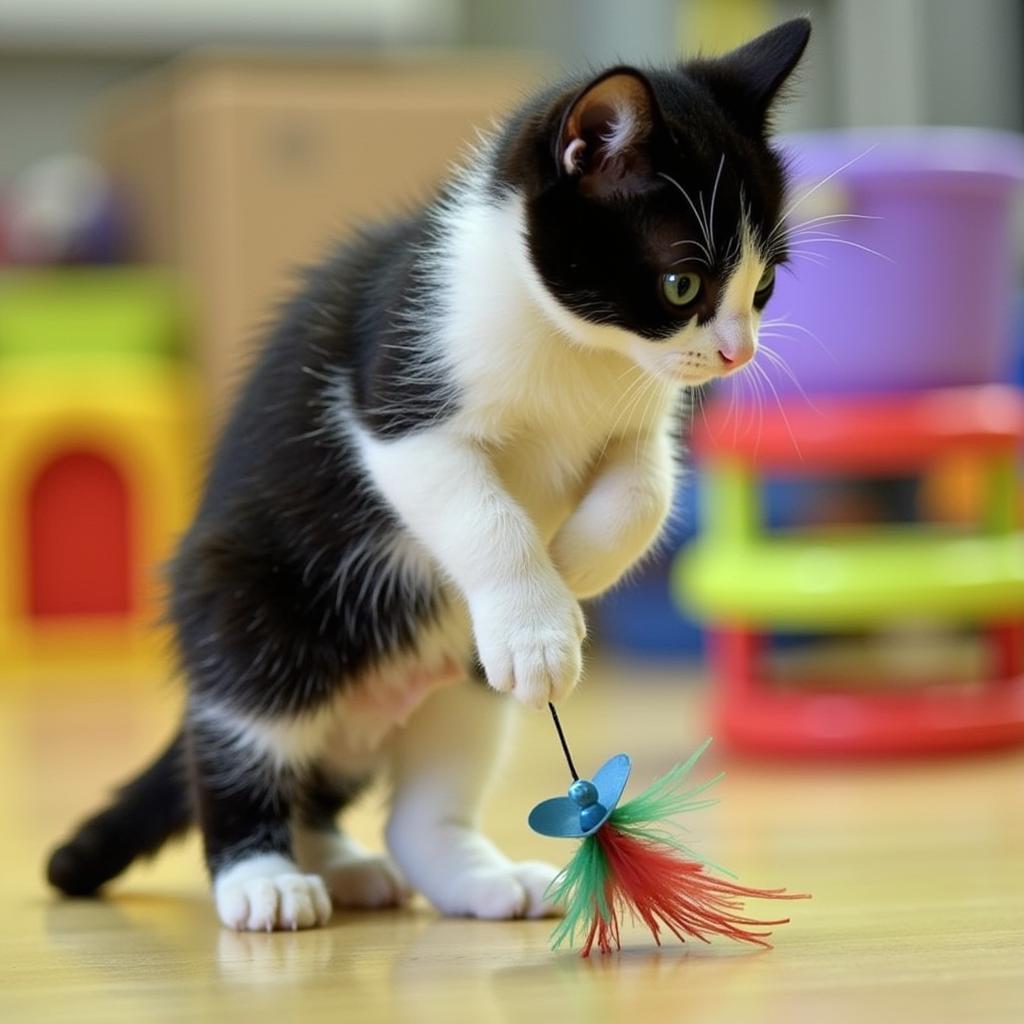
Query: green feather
[580, 887]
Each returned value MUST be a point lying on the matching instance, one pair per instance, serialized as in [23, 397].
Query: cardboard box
[239, 168]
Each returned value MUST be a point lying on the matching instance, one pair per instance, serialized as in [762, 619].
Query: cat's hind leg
[354, 876]
[244, 799]
[442, 763]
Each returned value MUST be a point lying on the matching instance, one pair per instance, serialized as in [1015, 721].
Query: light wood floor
[917, 871]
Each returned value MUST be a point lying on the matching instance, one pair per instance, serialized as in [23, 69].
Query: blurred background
[164, 168]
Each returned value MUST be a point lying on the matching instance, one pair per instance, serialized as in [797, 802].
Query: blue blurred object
[1017, 366]
[63, 210]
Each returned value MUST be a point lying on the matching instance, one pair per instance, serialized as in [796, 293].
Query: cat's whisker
[830, 218]
[745, 402]
[706, 225]
[647, 382]
[799, 201]
[782, 408]
[700, 245]
[780, 363]
[714, 196]
[828, 239]
[691, 259]
[623, 397]
[734, 404]
[653, 394]
[631, 397]
[818, 259]
[756, 407]
[686, 196]
[777, 336]
[738, 403]
[732, 253]
[781, 322]
[701, 393]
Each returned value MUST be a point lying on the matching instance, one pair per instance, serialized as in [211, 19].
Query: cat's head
[652, 205]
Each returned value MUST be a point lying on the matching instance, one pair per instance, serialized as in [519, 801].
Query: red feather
[654, 884]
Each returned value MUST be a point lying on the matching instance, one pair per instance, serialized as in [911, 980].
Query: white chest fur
[542, 405]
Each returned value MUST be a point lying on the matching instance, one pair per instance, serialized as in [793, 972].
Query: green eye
[767, 280]
[680, 289]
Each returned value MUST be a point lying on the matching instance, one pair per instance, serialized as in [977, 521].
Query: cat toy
[629, 863]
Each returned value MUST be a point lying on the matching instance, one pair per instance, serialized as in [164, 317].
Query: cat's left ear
[749, 79]
[606, 133]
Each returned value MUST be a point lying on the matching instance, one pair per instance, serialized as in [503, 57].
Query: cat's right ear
[604, 139]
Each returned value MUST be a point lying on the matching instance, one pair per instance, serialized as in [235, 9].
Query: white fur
[267, 892]
[354, 876]
[443, 763]
[622, 131]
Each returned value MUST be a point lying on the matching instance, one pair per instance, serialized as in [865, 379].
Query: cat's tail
[145, 813]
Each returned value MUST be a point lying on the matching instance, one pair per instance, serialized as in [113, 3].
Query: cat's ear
[749, 79]
[604, 139]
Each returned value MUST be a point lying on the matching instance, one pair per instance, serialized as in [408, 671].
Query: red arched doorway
[80, 547]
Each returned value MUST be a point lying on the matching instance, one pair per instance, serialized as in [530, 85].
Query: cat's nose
[736, 344]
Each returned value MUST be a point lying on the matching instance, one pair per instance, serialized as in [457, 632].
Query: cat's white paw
[500, 893]
[367, 882]
[268, 893]
[529, 640]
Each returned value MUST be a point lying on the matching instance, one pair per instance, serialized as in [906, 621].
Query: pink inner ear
[572, 158]
[605, 127]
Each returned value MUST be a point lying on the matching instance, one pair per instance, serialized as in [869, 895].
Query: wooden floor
[917, 872]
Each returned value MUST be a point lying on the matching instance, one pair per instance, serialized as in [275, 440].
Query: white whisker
[829, 239]
[714, 196]
[700, 245]
[782, 409]
[670, 179]
[778, 361]
[821, 184]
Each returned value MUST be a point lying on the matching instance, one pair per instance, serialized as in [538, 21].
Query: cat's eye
[680, 289]
[767, 280]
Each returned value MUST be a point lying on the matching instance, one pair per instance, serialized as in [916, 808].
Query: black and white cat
[461, 427]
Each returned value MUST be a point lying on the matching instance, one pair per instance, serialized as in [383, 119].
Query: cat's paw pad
[368, 882]
[281, 902]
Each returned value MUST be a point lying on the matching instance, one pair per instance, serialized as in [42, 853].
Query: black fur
[602, 258]
[280, 593]
[146, 812]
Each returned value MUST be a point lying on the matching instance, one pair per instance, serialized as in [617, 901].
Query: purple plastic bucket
[935, 308]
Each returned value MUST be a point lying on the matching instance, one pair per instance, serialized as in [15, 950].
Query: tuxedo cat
[461, 426]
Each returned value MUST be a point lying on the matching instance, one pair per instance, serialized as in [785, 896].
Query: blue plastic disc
[560, 816]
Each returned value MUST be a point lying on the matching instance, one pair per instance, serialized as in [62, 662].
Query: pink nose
[736, 342]
[735, 358]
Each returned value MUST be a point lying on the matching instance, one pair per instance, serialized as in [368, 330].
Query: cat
[460, 427]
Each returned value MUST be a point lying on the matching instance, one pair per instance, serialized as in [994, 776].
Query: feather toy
[632, 864]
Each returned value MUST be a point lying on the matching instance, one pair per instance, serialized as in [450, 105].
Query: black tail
[146, 812]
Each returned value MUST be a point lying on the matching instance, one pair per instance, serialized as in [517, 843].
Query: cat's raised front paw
[529, 641]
